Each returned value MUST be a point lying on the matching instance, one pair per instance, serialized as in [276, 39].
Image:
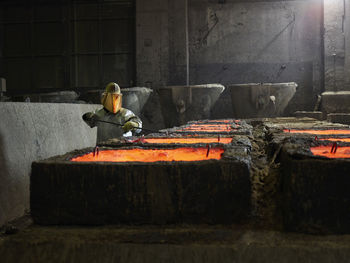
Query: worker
[126, 122]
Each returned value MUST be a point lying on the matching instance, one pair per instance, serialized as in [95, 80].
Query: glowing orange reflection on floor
[152, 155]
[188, 140]
[318, 132]
[342, 152]
[336, 139]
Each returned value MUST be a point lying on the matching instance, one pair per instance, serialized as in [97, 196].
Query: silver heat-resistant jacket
[107, 131]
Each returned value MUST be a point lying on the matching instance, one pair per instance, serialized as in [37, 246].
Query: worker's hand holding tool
[90, 118]
[130, 125]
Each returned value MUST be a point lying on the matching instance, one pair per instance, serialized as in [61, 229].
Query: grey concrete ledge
[170, 244]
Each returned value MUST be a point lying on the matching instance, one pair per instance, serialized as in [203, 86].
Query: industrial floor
[186, 243]
[263, 237]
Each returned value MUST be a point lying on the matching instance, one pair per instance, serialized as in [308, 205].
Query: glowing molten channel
[318, 132]
[209, 128]
[188, 140]
[219, 121]
[342, 152]
[152, 155]
[336, 139]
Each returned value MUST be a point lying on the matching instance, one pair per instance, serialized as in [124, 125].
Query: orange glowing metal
[188, 140]
[318, 132]
[152, 155]
[219, 121]
[209, 127]
[342, 152]
[336, 139]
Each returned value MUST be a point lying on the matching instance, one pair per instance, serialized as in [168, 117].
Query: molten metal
[188, 140]
[336, 139]
[318, 132]
[341, 152]
[209, 128]
[152, 155]
[219, 121]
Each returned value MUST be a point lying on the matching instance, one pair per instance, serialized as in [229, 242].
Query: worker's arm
[90, 118]
[132, 122]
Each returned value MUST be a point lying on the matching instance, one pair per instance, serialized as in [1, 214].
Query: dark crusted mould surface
[265, 180]
[211, 191]
[239, 147]
[315, 190]
[218, 121]
[232, 132]
[242, 128]
[285, 187]
[238, 141]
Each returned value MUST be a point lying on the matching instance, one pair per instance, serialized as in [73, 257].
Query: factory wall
[34, 131]
[233, 42]
[58, 45]
[337, 45]
[1, 52]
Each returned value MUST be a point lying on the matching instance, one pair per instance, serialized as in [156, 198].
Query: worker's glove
[130, 125]
[90, 118]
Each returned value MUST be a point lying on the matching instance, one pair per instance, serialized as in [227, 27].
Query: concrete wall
[1, 48]
[347, 44]
[152, 43]
[234, 42]
[34, 131]
[337, 45]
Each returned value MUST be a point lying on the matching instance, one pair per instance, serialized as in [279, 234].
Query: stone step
[343, 118]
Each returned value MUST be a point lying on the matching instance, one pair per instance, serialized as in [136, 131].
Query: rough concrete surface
[315, 190]
[181, 104]
[318, 115]
[336, 45]
[339, 117]
[233, 42]
[261, 99]
[336, 101]
[34, 131]
[170, 244]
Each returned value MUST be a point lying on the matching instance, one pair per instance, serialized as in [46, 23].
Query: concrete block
[336, 102]
[30, 132]
[318, 115]
[343, 118]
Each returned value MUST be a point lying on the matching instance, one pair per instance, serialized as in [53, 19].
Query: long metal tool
[121, 125]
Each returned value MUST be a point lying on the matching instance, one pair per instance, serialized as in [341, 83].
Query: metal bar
[104, 19]
[98, 53]
[322, 55]
[33, 56]
[39, 2]
[100, 44]
[187, 45]
[121, 125]
[34, 22]
[33, 68]
[109, 2]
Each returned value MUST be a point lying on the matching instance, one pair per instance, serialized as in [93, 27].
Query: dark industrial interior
[223, 131]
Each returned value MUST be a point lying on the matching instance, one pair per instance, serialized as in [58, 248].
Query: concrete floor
[184, 243]
[257, 241]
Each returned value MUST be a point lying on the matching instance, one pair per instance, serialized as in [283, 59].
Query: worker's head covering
[112, 98]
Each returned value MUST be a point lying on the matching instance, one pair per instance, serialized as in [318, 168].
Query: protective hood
[112, 98]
